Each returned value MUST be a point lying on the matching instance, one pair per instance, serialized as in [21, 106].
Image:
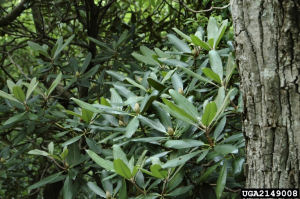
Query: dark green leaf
[221, 181]
[180, 191]
[155, 84]
[50, 179]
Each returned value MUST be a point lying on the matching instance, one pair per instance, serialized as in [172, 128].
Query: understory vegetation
[138, 115]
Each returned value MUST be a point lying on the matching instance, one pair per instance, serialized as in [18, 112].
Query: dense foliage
[104, 121]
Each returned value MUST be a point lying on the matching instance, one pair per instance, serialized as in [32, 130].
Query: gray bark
[267, 35]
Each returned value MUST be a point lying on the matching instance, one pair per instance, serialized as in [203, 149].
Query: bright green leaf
[209, 113]
[122, 169]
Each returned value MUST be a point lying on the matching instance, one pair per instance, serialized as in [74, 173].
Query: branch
[10, 17]
[199, 11]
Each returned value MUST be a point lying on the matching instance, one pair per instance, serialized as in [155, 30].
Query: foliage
[169, 129]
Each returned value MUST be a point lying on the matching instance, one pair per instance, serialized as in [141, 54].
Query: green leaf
[115, 98]
[202, 156]
[97, 190]
[158, 172]
[177, 82]
[106, 164]
[67, 189]
[10, 85]
[38, 48]
[199, 42]
[175, 181]
[50, 179]
[183, 144]
[86, 62]
[72, 113]
[54, 84]
[163, 115]
[51, 148]
[38, 152]
[184, 103]
[122, 169]
[168, 75]
[162, 54]
[8, 96]
[225, 149]
[221, 181]
[70, 141]
[132, 126]
[178, 112]
[146, 51]
[216, 63]
[131, 81]
[145, 59]
[64, 153]
[181, 160]
[154, 124]
[116, 75]
[33, 84]
[224, 105]
[118, 153]
[209, 113]
[86, 106]
[58, 50]
[91, 72]
[180, 191]
[101, 44]
[186, 37]
[212, 75]
[173, 62]
[155, 84]
[104, 101]
[123, 191]
[87, 115]
[197, 76]
[179, 44]
[220, 33]
[18, 93]
[207, 173]
[15, 118]
[219, 128]
[212, 30]
[220, 97]
[230, 66]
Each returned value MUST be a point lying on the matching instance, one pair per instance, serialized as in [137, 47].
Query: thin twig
[228, 189]
[18, 66]
[200, 11]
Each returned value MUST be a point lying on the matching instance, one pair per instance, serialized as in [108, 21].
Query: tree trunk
[267, 36]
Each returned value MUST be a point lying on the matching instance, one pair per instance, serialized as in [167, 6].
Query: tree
[268, 55]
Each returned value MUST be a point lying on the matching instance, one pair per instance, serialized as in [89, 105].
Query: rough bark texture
[267, 35]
